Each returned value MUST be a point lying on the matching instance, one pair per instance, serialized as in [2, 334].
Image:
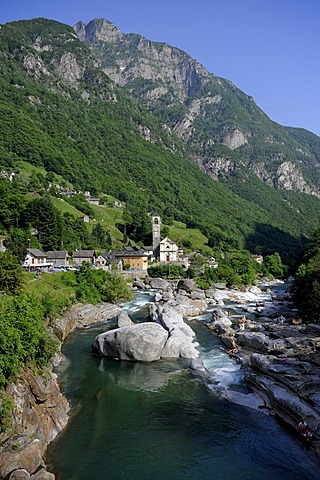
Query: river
[159, 421]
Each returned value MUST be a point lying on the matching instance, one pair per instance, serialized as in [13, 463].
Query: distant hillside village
[134, 259]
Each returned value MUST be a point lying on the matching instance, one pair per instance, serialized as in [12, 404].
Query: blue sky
[267, 48]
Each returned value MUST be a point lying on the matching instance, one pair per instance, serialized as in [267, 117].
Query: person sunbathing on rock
[233, 348]
[302, 425]
[242, 327]
[305, 430]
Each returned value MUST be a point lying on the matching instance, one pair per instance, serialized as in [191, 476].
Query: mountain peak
[98, 29]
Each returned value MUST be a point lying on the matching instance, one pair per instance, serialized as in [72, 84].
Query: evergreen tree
[11, 204]
[10, 273]
[138, 224]
[42, 215]
[101, 236]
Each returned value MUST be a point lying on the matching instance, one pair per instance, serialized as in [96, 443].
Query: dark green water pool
[159, 422]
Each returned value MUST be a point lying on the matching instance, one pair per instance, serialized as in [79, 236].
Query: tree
[23, 337]
[306, 290]
[313, 247]
[101, 236]
[273, 264]
[138, 224]
[10, 273]
[42, 215]
[80, 202]
[11, 204]
[17, 242]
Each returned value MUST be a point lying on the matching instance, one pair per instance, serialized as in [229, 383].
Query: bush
[168, 271]
[203, 283]
[273, 265]
[24, 339]
[6, 406]
[96, 286]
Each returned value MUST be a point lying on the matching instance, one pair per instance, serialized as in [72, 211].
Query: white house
[36, 259]
[94, 201]
[108, 261]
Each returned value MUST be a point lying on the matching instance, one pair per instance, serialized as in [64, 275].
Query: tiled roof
[84, 253]
[61, 254]
[131, 254]
[35, 252]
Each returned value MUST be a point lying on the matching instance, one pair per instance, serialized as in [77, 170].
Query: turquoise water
[158, 421]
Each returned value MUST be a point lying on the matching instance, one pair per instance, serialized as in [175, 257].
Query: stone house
[85, 218]
[258, 259]
[9, 175]
[58, 257]
[80, 256]
[149, 252]
[212, 263]
[2, 244]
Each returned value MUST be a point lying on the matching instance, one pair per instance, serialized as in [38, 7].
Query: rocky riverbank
[282, 360]
[281, 356]
[40, 410]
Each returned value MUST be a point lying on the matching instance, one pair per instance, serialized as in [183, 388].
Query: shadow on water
[138, 421]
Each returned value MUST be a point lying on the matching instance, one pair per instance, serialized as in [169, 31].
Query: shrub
[168, 271]
[24, 339]
[6, 406]
[96, 286]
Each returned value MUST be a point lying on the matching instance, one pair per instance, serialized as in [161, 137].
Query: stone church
[164, 250]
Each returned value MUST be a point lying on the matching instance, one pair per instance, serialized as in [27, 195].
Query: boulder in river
[180, 342]
[159, 284]
[142, 342]
[187, 285]
[124, 320]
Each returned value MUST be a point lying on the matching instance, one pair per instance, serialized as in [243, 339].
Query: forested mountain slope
[59, 110]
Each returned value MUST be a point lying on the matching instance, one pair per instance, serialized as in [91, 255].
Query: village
[130, 259]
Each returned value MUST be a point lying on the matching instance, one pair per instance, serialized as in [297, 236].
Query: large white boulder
[180, 342]
[142, 342]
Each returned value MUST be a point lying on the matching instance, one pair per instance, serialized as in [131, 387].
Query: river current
[159, 421]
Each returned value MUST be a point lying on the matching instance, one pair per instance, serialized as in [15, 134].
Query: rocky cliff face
[208, 113]
[159, 63]
[40, 412]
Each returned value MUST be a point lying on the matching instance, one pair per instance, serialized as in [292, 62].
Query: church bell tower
[156, 225]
